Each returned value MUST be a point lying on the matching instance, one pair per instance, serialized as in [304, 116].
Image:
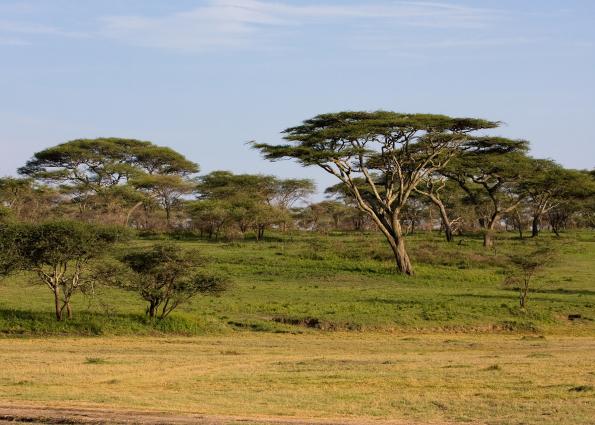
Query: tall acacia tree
[89, 169]
[390, 152]
[491, 171]
[86, 165]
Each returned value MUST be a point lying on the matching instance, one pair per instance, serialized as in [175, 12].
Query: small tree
[60, 253]
[209, 216]
[167, 189]
[166, 277]
[524, 268]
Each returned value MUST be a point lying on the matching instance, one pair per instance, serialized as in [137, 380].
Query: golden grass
[494, 379]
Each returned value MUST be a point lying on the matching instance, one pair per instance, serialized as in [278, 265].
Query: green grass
[304, 282]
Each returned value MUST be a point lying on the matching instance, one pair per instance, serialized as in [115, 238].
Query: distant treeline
[396, 172]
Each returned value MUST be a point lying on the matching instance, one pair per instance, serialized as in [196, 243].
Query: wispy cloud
[10, 29]
[13, 41]
[252, 23]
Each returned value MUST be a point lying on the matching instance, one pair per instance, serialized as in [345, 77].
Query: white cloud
[251, 23]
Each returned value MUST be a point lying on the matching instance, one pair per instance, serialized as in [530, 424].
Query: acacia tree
[390, 152]
[60, 253]
[166, 189]
[286, 192]
[209, 216]
[491, 171]
[167, 177]
[524, 268]
[550, 186]
[86, 165]
[442, 193]
[166, 276]
[88, 168]
[26, 200]
[254, 201]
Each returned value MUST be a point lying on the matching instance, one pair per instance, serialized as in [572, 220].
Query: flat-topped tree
[96, 163]
[86, 164]
[390, 152]
[549, 186]
[163, 160]
[491, 171]
[88, 168]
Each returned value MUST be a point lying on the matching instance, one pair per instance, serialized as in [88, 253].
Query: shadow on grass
[39, 323]
[563, 291]
[513, 296]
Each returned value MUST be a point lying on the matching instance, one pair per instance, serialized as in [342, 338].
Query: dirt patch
[89, 416]
[316, 323]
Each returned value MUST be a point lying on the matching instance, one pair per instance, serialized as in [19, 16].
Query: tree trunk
[397, 244]
[535, 226]
[402, 258]
[443, 216]
[519, 224]
[523, 293]
[57, 303]
[445, 222]
[168, 216]
[152, 309]
[448, 232]
[488, 236]
[488, 241]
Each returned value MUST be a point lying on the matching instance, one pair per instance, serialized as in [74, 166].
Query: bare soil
[17, 414]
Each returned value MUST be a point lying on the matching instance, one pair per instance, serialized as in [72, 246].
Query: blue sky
[206, 76]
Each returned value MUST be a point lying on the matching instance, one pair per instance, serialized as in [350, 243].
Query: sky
[206, 76]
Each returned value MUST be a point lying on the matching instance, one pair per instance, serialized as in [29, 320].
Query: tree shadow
[565, 291]
[26, 322]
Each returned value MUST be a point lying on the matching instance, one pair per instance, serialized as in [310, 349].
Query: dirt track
[87, 416]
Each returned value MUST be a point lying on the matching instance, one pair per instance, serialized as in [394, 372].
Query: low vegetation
[422, 239]
[296, 282]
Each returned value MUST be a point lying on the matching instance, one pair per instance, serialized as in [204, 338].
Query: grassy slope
[296, 283]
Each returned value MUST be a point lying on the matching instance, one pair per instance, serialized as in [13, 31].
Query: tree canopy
[387, 153]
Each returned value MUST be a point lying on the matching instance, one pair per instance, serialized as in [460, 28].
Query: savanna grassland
[339, 377]
[321, 327]
[294, 283]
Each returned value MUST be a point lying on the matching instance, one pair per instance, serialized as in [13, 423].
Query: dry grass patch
[379, 376]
